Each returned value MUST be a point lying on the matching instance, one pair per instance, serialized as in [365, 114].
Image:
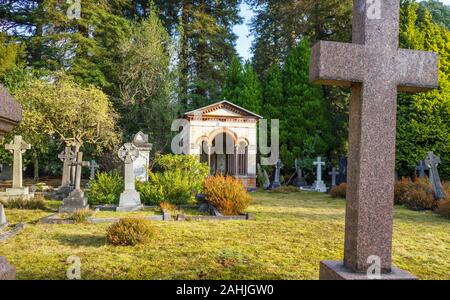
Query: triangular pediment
[224, 109]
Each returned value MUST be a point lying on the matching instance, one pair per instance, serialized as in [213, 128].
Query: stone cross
[421, 169]
[333, 176]
[67, 157]
[130, 198]
[319, 185]
[299, 180]
[276, 180]
[375, 69]
[76, 200]
[94, 166]
[17, 147]
[431, 162]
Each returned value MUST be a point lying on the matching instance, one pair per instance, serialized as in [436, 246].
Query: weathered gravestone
[68, 157]
[2, 216]
[421, 169]
[299, 179]
[342, 177]
[130, 199]
[93, 166]
[142, 162]
[263, 174]
[319, 185]
[276, 179]
[76, 200]
[375, 69]
[17, 147]
[7, 272]
[333, 174]
[431, 162]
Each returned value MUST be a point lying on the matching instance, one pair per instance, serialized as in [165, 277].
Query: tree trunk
[35, 168]
[184, 54]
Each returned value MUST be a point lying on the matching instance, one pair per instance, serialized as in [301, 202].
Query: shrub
[130, 232]
[35, 203]
[179, 178]
[444, 208]
[105, 189]
[227, 194]
[167, 206]
[416, 195]
[81, 216]
[339, 191]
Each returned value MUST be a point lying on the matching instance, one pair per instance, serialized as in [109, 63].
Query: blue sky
[245, 39]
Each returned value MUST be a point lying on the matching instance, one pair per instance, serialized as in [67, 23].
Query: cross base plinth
[130, 200]
[75, 202]
[320, 187]
[335, 270]
[62, 192]
[14, 193]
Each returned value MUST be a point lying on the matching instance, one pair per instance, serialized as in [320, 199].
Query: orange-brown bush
[227, 194]
[416, 195]
[339, 191]
[444, 208]
[167, 206]
[130, 232]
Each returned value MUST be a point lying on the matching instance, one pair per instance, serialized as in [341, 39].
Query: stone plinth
[75, 202]
[335, 270]
[130, 200]
[7, 272]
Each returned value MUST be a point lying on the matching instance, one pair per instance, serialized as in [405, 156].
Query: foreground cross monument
[130, 199]
[375, 69]
[17, 147]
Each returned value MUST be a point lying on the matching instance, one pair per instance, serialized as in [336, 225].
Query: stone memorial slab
[299, 179]
[431, 162]
[276, 180]
[7, 272]
[142, 162]
[130, 199]
[76, 200]
[421, 169]
[375, 69]
[333, 174]
[319, 185]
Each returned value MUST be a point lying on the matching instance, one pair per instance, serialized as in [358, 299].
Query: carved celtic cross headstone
[431, 162]
[17, 147]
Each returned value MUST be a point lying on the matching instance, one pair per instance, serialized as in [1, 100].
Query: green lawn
[291, 235]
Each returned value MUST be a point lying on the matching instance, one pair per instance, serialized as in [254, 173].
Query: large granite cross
[375, 69]
[17, 147]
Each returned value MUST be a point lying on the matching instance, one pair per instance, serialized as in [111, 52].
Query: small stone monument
[17, 147]
[130, 199]
[431, 162]
[7, 272]
[68, 157]
[421, 169]
[299, 179]
[333, 174]
[319, 185]
[264, 175]
[375, 69]
[76, 200]
[276, 180]
[142, 162]
[3, 221]
[93, 166]
[342, 177]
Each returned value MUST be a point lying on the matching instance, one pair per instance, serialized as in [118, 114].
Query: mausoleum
[224, 135]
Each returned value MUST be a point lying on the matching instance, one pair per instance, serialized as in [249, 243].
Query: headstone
[142, 162]
[2, 216]
[342, 177]
[7, 272]
[431, 162]
[421, 169]
[333, 176]
[276, 180]
[5, 171]
[76, 200]
[130, 199]
[299, 179]
[264, 175]
[17, 147]
[375, 69]
[93, 166]
[319, 185]
[68, 157]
